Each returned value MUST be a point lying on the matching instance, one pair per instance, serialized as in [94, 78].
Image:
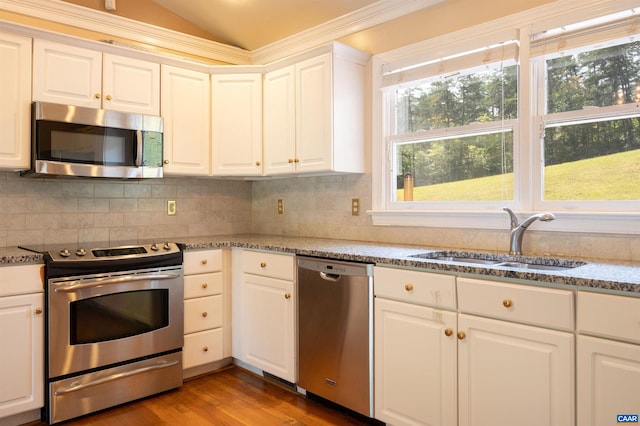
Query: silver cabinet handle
[78, 285]
[75, 386]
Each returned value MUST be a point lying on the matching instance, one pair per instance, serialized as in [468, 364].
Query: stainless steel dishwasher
[335, 331]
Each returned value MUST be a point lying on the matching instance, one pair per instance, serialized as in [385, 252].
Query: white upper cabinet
[77, 76]
[314, 114]
[15, 86]
[280, 121]
[186, 114]
[130, 85]
[236, 124]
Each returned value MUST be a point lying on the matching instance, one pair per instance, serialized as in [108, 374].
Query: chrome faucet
[517, 229]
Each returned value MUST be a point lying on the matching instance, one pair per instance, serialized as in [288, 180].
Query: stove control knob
[65, 253]
[155, 247]
[81, 252]
[167, 246]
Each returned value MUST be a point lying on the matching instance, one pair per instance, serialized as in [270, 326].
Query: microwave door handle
[138, 148]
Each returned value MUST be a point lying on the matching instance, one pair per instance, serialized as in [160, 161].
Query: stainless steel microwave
[86, 142]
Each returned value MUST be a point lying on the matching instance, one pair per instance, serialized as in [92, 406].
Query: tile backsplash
[321, 207]
[50, 211]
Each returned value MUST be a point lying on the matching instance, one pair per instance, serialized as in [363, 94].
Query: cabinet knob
[97, 95]
[290, 160]
[108, 97]
[461, 335]
[205, 285]
[507, 303]
[258, 163]
[296, 160]
[263, 264]
[203, 261]
[448, 332]
[205, 349]
[204, 315]
[38, 311]
[166, 161]
[287, 296]
[408, 287]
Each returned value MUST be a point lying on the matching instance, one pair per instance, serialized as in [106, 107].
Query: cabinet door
[66, 74]
[21, 369]
[236, 124]
[269, 328]
[186, 113]
[15, 86]
[314, 109]
[514, 374]
[415, 364]
[608, 375]
[130, 85]
[280, 121]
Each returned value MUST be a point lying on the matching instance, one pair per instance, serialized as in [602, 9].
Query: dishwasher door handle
[330, 277]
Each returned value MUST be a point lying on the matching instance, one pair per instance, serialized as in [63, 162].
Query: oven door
[104, 319]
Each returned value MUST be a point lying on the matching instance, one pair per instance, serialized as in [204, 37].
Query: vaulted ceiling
[251, 24]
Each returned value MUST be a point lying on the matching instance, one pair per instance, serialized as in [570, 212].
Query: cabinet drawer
[519, 303]
[200, 285]
[202, 313]
[21, 279]
[609, 315]
[201, 261]
[423, 288]
[272, 265]
[202, 348]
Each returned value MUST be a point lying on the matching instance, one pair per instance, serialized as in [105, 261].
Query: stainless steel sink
[538, 267]
[502, 260]
[467, 260]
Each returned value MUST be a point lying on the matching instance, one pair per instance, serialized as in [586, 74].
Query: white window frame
[527, 150]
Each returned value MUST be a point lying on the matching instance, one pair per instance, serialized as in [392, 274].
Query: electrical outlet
[355, 206]
[280, 206]
[172, 207]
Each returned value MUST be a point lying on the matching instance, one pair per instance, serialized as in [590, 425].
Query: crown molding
[117, 26]
[361, 19]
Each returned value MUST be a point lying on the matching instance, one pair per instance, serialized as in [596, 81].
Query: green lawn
[611, 177]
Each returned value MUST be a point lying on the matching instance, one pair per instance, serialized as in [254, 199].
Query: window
[542, 121]
[453, 138]
[590, 118]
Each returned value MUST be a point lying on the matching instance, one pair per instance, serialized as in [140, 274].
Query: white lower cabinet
[513, 368]
[608, 366]
[415, 347]
[472, 352]
[514, 374]
[206, 310]
[264, 333]
[22, 337]
[415, 364]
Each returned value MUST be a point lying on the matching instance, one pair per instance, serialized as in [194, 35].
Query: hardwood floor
[232, 396]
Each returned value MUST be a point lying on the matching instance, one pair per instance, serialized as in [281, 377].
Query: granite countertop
[596, 275]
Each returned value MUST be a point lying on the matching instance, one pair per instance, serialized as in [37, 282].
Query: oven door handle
[79, 285]
[75, 386]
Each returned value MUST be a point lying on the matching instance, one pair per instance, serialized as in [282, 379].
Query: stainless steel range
[114, 326]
